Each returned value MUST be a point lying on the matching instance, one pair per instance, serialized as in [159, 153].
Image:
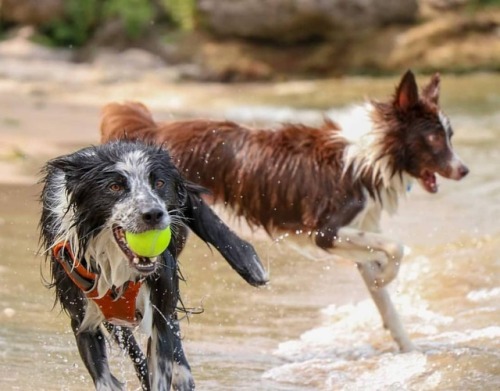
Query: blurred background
[247, 40]
[263, 62]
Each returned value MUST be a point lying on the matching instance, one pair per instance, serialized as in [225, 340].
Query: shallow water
[313, 327]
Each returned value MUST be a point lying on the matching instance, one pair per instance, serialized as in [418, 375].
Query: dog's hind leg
[127, 342]
[386, 308]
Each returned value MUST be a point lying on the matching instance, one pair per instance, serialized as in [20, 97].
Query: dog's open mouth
[141, 264]
[428, 181]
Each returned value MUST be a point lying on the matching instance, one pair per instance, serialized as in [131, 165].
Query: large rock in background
[269, 39]
[35, 12]
[300, 20]
[244, 40]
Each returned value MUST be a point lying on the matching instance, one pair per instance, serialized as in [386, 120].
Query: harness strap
[115, 308]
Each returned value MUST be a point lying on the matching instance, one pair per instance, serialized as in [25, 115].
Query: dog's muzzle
[143, 265]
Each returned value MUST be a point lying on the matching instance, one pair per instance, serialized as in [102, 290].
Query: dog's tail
[130, 120]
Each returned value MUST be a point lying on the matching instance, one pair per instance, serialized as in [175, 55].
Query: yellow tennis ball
[150, 243]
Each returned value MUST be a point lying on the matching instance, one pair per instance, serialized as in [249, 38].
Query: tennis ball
[149, 243]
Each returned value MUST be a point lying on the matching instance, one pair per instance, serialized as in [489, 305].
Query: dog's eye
[116, 187]
[159, 184]
[434, 138]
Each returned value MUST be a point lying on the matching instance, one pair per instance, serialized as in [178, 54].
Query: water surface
[313, 327]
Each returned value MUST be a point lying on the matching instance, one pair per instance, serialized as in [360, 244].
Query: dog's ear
[431, 90]
[75, 166]
[63, 163]
[182, 193]
[187, 188]
[67, 165]
[407, 92]
[192, 189]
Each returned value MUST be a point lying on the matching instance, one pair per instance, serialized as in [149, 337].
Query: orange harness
[115, 309]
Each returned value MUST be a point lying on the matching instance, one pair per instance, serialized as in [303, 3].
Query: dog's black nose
[153, 216]
[463, 171]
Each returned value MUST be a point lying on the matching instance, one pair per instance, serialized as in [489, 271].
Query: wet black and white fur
[89, 198]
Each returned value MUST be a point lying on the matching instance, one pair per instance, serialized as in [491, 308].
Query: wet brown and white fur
[89, 199]
[331, 181]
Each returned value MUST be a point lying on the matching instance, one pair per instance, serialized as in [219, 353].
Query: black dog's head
[91, 197]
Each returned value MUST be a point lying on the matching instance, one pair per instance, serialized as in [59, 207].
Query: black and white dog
[90, 198]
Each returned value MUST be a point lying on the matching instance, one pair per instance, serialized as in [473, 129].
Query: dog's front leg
[384, 304]
[377, 274]
[240, 254]
[92, 347]
[370, 243]
[127, 342]
[90, 342]
[167, 363]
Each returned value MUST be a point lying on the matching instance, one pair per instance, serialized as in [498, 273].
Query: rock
[20, 47]
[231, 62]
[133, 59]
[430, 9]
[131, 64]
[299, 20]
[35, 12]
[454, 42]
[443, 5]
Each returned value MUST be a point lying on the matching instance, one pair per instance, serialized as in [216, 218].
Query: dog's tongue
[429, 182]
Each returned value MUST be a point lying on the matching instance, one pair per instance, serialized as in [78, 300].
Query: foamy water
[447, 292]
[456, 328]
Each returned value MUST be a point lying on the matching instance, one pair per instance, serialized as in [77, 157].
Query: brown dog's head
[419, 133]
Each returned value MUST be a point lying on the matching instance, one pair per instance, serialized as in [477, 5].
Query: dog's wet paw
[182, 379]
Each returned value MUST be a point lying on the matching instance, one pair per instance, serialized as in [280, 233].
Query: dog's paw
[110, 383]
[407, 346]
[182, 379]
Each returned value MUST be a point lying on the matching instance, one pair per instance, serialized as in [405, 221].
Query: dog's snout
[463, 171]
[153, 216]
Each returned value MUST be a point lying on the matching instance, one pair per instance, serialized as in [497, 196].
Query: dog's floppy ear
[181, 193]
[75, 166]
[64, 163]
[240, 254]
[407, 92]
[68, 165]
[188, 188]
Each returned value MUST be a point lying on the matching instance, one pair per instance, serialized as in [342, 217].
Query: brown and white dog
[318, 180]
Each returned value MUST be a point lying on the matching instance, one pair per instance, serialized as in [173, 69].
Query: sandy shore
[49, 105]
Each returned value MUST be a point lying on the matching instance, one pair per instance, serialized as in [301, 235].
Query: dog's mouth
[142, 264]
[428, 181]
